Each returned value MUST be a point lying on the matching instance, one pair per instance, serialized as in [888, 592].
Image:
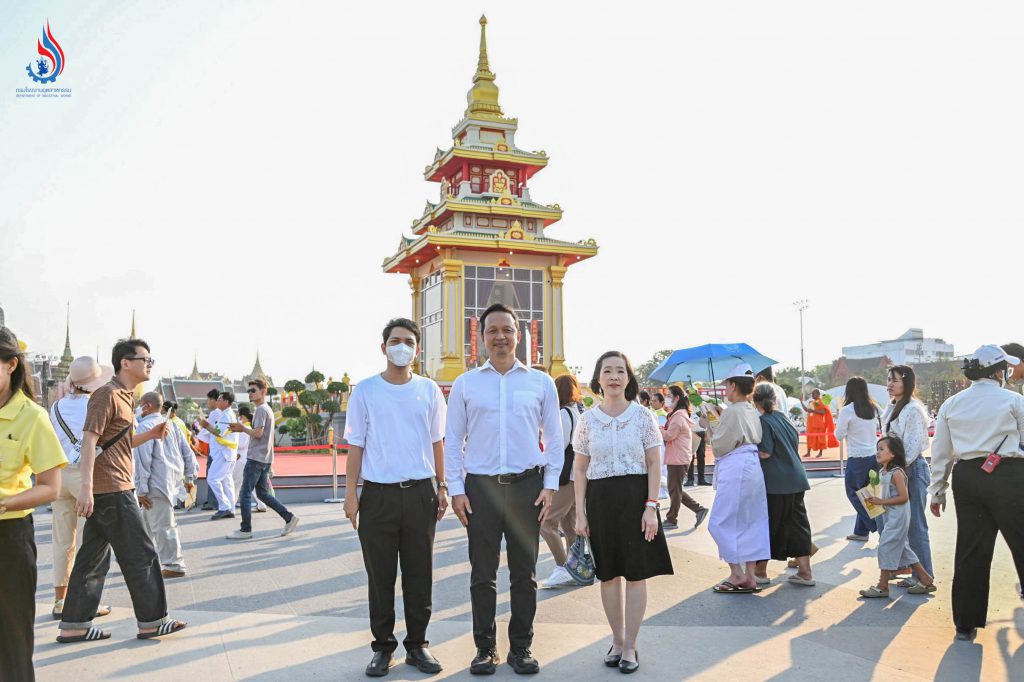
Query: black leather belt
[506, 479]
[401, 484]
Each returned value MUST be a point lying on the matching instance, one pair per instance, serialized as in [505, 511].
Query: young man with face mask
[395, 429]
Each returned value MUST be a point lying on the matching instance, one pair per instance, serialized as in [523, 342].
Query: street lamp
[801, 306]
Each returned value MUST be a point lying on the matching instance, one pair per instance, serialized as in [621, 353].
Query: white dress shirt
[220, 422]
[861, 434]
[970, 425]
[72, 411]
[397, 426]
[159, 465]
[204, 435]
[496, 423]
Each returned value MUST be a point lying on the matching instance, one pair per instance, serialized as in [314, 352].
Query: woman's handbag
[580, 563]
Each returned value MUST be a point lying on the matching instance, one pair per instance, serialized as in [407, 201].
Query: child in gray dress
[893, 546]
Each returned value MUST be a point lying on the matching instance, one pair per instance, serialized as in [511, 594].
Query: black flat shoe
[967, 635]
[423, 661]
[485, 663]
[380, 664]
[629, 667]
[612, 660]
[523, 662]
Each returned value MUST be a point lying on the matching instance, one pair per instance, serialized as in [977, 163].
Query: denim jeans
[255, 477]
[116, 522]
[857, 469]
[918, 475]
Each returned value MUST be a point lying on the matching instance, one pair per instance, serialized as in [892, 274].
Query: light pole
[801, 306]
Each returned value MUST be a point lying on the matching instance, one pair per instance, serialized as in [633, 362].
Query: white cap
[740, 370]
[992, 355]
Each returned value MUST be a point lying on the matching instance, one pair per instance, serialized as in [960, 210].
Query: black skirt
[615, 510]
[788, 526]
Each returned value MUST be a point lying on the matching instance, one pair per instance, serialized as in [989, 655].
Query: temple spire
[257, 370]
[483, 96]
[67, 336]
[132, 334]
[194, 376]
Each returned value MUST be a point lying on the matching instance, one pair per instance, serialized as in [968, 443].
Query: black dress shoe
[222, 515]
[967, 635]
[629, 667]
[422, 659]
[612, 660]
[703, 482]
[523, 662]
[485, 663]
[380, 664]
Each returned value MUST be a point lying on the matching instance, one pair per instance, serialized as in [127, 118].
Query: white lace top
[616, 445]
[911, 427]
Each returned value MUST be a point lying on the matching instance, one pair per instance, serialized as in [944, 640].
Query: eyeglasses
[148, 360]
[251, 390]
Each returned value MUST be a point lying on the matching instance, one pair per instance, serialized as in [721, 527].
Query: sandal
[762, 581]
[797, 580]
[921, 588]
[92, 634]
[726, 587]
[906, 582]
[874, 593]
[167, 628]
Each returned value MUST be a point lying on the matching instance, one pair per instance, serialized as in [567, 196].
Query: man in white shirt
[223, 453]
[501, 482]
[159, 469]
[68, 416]
[210, 504]
[395, 430]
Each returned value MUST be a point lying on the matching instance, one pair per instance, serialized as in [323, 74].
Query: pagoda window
[530, 225]
[522, 289]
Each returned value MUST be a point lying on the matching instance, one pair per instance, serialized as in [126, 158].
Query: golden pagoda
[484, 242]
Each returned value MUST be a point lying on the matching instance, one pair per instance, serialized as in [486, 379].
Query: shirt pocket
[11, 458]
[525, 403]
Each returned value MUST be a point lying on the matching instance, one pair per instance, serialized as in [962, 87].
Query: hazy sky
[237, 171]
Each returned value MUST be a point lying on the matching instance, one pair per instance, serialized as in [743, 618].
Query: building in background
[911, 348]
[485, 242]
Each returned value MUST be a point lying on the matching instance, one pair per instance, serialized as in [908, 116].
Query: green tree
[291, 412]
[315, 378]
[294, 386]
[643, 372]
[336, 387]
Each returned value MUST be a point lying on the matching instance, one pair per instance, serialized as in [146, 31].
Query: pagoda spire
[194, 376]
[132, 334]
[483, 96]
[257, 370]
[67, 337]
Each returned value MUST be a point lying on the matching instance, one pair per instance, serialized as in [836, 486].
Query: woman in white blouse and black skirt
[618, 473]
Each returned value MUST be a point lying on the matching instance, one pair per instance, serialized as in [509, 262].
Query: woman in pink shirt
[678, 435]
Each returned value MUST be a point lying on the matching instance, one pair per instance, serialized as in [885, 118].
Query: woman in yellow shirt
[28, 446]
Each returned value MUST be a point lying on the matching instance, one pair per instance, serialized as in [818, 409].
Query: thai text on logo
[51, 58]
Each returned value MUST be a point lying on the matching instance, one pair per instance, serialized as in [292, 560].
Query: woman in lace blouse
[618, 473]
[907, 418]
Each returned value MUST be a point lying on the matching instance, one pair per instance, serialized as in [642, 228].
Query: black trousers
[396, 525]
[17, 598]
[699, 458]
[116, 522]
[986, 504]
[503, 510]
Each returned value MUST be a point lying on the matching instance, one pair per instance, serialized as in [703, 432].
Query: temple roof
[417, 252]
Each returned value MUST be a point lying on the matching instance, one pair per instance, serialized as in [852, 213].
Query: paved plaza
[295, 609]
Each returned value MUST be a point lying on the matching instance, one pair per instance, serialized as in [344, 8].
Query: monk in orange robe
[821, 428]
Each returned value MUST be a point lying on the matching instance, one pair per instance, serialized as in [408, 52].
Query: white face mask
[401, 354]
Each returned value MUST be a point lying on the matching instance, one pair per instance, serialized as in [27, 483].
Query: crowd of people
[517, 460]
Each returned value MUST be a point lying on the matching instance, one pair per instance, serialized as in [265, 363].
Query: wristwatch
[442, 484]
[653, 504]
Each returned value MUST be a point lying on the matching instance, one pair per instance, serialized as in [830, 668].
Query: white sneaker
[290, 526]
[239, 535]
[558, 578]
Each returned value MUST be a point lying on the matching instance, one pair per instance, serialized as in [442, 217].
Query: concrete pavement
[294, 609]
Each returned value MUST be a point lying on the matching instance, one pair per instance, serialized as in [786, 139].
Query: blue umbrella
[702, 363]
